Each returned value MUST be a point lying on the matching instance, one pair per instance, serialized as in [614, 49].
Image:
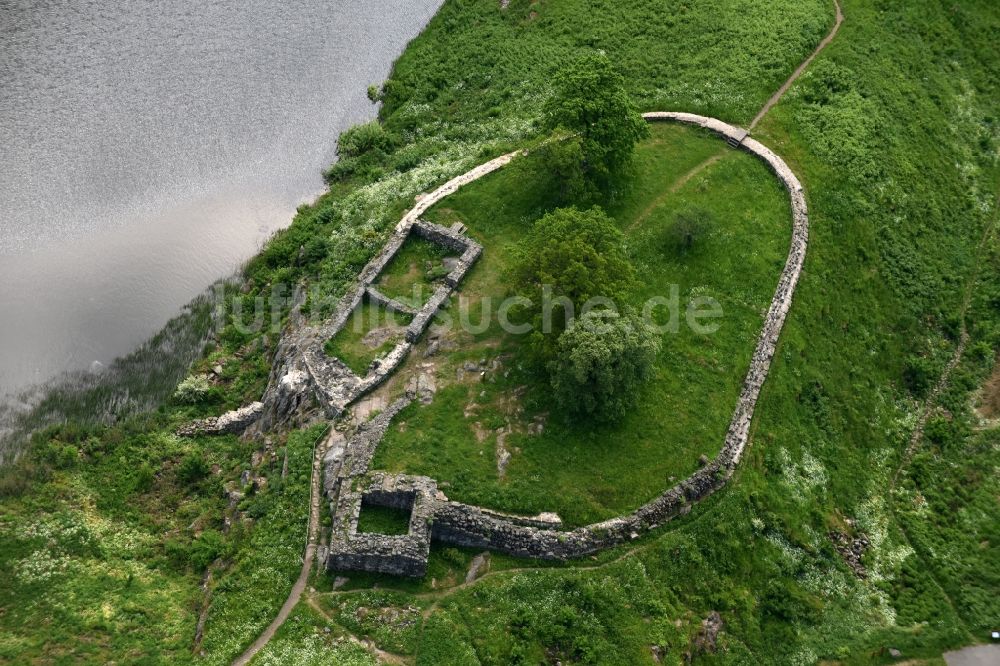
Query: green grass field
[383, 520]
[371, 331]
[414, 272]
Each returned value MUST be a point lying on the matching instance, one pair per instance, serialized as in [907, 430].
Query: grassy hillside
[125, 539]
[897, 146]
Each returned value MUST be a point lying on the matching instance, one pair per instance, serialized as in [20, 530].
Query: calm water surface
[147, 148]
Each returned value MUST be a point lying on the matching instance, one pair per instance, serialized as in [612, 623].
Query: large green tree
[601, 360]
[591, 105]
[570, 257]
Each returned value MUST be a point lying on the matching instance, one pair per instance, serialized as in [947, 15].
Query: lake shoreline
[186, 151]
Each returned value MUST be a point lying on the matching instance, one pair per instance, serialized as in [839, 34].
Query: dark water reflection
[147, 148]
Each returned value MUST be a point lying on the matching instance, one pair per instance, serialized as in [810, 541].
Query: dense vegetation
[569, 259]
[591, 106]
[602, 362]
[894, 133]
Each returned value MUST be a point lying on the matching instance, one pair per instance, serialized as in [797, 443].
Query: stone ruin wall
[471, 526]
[433, 515]
[376, 297]
[302, 370]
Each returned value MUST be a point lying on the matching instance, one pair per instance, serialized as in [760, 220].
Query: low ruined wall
[423, 318]
[302, 369]
[401, 555]
[425, 202]
[306, 365]
[435, 233]
[395, 555]
[470, 526]
[464, 265]
[376, 297]
[335, 384]
[230, 423]
[362, 445]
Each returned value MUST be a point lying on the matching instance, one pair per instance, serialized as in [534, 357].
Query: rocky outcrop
[707, 639]
[230, 423]
[852, 550]
[302, 368]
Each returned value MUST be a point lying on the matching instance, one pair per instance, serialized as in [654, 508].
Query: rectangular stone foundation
[400, 555]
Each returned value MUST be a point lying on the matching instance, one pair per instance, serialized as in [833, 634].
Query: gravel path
[801, 68]
[977, 655]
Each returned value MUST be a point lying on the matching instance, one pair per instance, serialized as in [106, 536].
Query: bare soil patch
[377, 337]
[989, 399]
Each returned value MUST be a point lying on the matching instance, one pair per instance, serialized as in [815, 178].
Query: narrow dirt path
[927, 408]
[963, 339]
[678, 184]
[917, 438]
[315, 493]
[382, 655]
[776, 97]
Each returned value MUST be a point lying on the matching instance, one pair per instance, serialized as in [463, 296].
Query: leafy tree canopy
[601, 360]
[591, 103]
[576, 254]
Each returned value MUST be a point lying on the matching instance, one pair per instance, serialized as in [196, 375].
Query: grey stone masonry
[423, 318]
[739, 427]
[375, 267]
[401, 555]
[463, 266]
[335, 384]
[543, 521]
[455, 240]
[303, 366]
[476, 527]
[376, 297]
[367, 437]
[473, 527]
[452, 239]
[234, 422]
[349, 488]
